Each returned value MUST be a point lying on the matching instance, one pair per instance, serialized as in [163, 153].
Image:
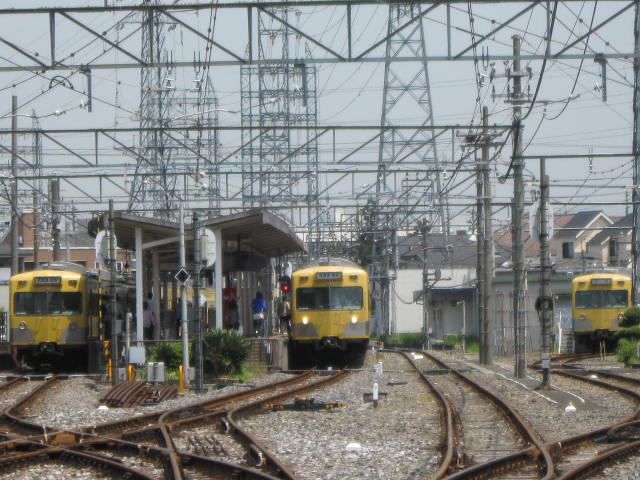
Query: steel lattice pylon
[159, 184]
[280, 166]
[419, 199]
[407, 93]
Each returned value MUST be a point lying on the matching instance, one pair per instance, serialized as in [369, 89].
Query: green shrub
[452, 340]
[472, 344]
[169, 353]
[225, 351]
[404, 339]
[626, 350]
[631, 317]
[632, 333]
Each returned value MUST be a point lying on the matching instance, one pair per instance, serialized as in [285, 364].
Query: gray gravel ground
[396, 440]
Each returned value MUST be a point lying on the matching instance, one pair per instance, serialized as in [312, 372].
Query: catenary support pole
[197, 260]
[635, 192]
[183, 304]
[14, 185]
[480, 239]
[115, 347]
[546, 302]
[518, 207]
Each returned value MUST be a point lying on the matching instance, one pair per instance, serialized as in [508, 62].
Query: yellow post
[132, 372]
[181, 378]
[109, 370]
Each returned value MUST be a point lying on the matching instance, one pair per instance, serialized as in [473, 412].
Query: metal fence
[503, 327]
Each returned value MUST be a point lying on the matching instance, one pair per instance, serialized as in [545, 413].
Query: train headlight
[305, 320]
[22, 326]
[354, 319]
[73, 326]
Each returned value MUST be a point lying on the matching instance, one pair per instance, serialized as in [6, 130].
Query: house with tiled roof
[612, 245]
[569, 245]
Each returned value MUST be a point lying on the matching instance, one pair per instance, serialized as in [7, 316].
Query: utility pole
[197, 259]
[485, 242]
[546, 303]
[114, 301]
[426, 291]
[36, 231]
[635, 192]
[480, 239]
[488, 240]
[14, 185]
[183, 302]
[518, 207]
[54, 194]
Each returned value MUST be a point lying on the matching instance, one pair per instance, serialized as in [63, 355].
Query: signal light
[285, 284]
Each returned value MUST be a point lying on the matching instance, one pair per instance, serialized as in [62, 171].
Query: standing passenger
[148, 322]
[259, 309]
[233, 315]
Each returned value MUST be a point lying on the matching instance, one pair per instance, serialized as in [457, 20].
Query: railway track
[149, 442]
[577, 456]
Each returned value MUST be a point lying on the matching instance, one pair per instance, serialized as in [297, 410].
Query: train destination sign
[329, 276]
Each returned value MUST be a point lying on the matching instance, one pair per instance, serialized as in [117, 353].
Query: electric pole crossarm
[203, 37]
[495, 30]
[23, 52]
[301, 33]
[104, 39]
[67, 149]
[18, 157]
[397, 30]
[594, 29]
[87, 194]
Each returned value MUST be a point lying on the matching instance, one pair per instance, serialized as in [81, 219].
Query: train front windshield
[47, 303]
[329, 298]
[601, 299]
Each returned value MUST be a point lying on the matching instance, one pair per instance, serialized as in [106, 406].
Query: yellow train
[329, 313]
[597, 302]
[57, 316]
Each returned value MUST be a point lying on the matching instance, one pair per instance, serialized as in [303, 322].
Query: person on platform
[148, 321]
[233, 315]
[259, 309]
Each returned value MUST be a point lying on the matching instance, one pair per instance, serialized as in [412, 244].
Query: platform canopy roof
[257, 231]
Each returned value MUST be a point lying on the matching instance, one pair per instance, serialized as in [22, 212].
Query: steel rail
[14, 413]
[451, 428]
[269, 459]
[145, 420]
[560, 447]
[539, 452]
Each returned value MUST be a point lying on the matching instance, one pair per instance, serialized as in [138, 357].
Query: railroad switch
[304, 403]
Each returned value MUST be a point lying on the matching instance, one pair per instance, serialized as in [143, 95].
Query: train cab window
[602, 299]
[329, 298]
[48, 303]
[30, 303]
[615, 299]
[346, 298]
